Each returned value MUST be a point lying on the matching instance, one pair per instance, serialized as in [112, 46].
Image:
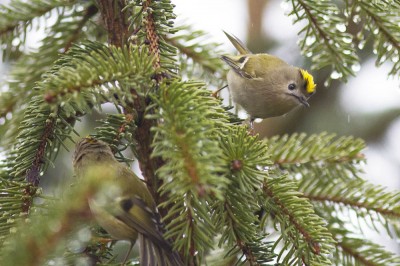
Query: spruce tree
[226, 197]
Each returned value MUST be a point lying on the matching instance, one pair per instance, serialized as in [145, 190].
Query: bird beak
[303, 101]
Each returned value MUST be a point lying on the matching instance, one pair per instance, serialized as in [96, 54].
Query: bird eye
[292, 86]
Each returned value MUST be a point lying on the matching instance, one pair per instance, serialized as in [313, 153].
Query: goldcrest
[264, 85]
[125, 209]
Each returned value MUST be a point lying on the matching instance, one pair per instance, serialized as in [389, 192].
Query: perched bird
[124, 207]
[264, 85]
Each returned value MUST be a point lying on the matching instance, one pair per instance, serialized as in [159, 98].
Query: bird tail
[239, 45]
[152, 254]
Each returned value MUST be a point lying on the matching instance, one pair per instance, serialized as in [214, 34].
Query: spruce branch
[383, 23]
[98, 69]
[137, 107]
[325, 40]
[153, 22]
[17, 17]
[114, 21]
[303, 233]
[38, 237]
[29, 67]
[356, 251]
[114, 130]
[186, 139]
[14, 197]
[317, 155]
[372, 204]
[235, 215]
[198, 58]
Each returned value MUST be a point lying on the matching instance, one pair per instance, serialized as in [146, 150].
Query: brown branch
[196, 57]
[318, 28]
[382, 28]
[90, 12]
[151, 35]
[117, 27]
[330, 159]
[353, 203]
[239, 242]
[115, 22]
[356, 255]
[312, 243]
[33, 173]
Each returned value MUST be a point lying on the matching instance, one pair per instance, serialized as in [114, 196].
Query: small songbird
[264, 85]
[125, 208]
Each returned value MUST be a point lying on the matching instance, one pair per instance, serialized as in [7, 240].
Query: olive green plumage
[125, 207]
[264, 85]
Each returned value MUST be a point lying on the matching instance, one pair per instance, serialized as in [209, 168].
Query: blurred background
[367, 106]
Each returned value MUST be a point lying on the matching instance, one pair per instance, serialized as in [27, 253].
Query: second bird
[264, 85]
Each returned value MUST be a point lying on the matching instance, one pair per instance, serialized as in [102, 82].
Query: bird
[265, 85]
[125, 207]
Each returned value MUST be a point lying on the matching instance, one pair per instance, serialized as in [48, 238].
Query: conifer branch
[325, 39]
[89, 12]
[18, 13]
[300, 227]
[181, 139]
[37, 238]
[383, 23]
[115, 22]
[191, 44]
[354, 204]
[235, 216]
[371, 203]
[151, 33]
[353, 251]
[113, 130]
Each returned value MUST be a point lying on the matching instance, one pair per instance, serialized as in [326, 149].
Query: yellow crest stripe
[310, 85]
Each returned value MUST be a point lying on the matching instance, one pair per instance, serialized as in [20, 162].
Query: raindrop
[376, 31]
[16, 42]
[347, 39]
[361, 44]
[356, 67]
[395, 58]
[375, 51]
[336, 75]
[389, 47]
[346, 51]
[327, 83]
[341, 27]
[309, 54]
[310, 40]
[356, 19]
[382, 59]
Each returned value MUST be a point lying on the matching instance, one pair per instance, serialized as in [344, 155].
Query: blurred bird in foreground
[124, 206]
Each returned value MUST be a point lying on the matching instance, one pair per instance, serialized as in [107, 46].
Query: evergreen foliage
[225, 196]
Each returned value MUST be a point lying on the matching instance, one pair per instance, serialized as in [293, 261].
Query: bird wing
[237, 63]
[134, 212]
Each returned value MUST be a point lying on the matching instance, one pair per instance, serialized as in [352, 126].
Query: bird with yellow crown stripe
[265, 85]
